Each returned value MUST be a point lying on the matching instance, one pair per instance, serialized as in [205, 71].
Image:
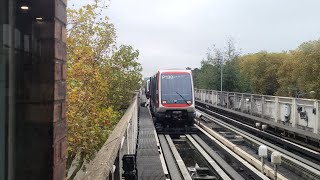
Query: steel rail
[210, 161]
[301, 164]
[181, 165]
[242, 158]
[301, 149]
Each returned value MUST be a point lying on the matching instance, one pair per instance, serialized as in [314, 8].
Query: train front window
[176, 88]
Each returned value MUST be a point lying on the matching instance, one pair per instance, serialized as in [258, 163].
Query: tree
[308, 68]
[261, 71]
[123, 71]
[231, 53]
[101, 77]
[231, 73]
[293, 73]
[208, 76]
[288, 76]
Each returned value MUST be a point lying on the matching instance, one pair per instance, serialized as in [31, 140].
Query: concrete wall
[107, 163]
[284, 110]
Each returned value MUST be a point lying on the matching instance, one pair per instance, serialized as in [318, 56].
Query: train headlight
[164, 102]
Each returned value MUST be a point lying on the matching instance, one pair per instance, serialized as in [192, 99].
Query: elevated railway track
[231, 153]
[296, 163]
[217, 147]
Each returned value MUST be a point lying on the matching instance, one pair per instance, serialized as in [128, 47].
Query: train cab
[172, 98]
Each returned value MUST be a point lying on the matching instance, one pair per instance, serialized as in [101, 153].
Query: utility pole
[221, 95]
[221, 74]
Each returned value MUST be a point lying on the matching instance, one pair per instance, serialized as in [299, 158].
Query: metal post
[275, 160]
[221, 74]
[263, 153]
[275, 171]
[262, 165]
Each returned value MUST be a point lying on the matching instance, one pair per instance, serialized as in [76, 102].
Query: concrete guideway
[182, 167]
[311, 148]
[246, 159]
[157, 155]
[162, 159]
[312, 153]
[300, 164]
[178, 169]
[222, 163]
[212, 162]
[171, 164]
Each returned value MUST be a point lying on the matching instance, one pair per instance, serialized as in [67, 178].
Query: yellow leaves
[285, 73]
[71, 139]
[100, 80]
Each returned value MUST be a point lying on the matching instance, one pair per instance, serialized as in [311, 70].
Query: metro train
[172, 102]
[146, 87]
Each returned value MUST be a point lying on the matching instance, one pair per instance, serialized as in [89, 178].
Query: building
[33, 67]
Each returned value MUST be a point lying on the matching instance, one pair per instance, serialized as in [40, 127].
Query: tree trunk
[79, 165]
[70, 160]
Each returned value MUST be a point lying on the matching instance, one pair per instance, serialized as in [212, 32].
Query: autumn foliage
[294, 73]
[101, 79]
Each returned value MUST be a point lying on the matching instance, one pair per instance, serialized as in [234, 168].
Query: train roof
[175, 70]
[172, 70]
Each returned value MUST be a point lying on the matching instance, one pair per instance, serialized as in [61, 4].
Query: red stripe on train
[176, 105]
[158, 96]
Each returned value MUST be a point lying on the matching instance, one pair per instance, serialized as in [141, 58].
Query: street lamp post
[221, 77]
[221, 74]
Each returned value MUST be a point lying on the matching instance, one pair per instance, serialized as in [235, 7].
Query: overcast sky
[177, 33]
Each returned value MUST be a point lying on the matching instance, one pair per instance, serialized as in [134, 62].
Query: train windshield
[176, 88]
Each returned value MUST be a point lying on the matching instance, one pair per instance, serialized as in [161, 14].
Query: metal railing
[107, 163]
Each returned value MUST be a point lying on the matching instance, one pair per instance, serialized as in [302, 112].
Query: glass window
[176, 88]
[3, 84]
